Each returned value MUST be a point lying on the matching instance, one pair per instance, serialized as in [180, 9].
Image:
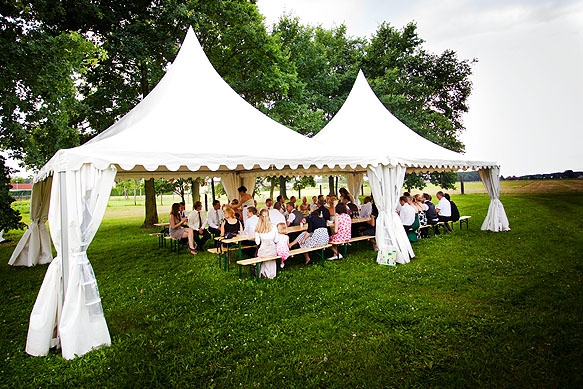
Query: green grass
[472, 309]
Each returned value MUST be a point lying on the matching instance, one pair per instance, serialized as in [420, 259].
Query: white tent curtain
[496, 219]
[386, 184]
[248, 181]
[231, 182]
[34, 248]
[79, 199]
[353, 184]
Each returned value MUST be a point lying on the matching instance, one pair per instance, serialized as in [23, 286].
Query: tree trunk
[272, 182]
[282, 187]
[149, 188]
[151, 210]
[331, 184]
[195, 190]
[213, 188]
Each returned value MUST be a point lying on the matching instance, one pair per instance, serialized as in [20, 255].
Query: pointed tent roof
[194, 121]
[390, 141]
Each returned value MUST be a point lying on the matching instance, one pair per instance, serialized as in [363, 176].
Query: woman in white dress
[266, 236]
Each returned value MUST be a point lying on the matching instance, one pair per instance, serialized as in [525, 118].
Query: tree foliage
[326, 62]
[10, 219]
[70, 70]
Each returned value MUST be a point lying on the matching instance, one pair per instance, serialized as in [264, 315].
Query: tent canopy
[194, 121]
[364, 120]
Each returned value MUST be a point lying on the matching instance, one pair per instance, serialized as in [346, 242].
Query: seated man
[443, 209]
[197, 221]
[275, 215]
[295, 216]
[366, 209]
[314, 204]
[214, 218]
[251, 222]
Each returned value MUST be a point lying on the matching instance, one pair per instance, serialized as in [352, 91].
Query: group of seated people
[427, 213]
[243, 217]
[271, 223]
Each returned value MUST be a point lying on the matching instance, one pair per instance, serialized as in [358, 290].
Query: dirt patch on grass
[542, 186]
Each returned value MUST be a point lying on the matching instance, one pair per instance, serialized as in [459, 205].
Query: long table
[235, 243]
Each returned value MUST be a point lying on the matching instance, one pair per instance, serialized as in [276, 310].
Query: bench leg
[258, 271]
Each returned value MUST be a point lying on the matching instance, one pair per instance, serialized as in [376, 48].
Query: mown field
[472, 309]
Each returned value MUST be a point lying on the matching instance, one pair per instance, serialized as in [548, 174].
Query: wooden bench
[223, 254]
[174, 243]
[257, 261]
[352, 240]
[301, 250]
[161, 241]
[464, 219]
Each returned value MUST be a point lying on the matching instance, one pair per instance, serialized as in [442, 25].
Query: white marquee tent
[192, 121]
[363, 123]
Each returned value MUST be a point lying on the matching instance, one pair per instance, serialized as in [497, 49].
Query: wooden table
[231, 243]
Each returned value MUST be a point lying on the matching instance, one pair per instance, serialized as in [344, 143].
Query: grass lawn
[472, 309]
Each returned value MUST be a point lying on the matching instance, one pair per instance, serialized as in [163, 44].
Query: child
[282, 243]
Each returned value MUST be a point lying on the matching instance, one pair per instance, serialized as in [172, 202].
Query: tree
[326, 62]
[10, 219]
[302, 182]
[42, 72]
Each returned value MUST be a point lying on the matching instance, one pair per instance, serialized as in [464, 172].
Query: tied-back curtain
[231, 182]
[353, 184]
[496, 219]
[34, 248]
[386, 183]
[79, 325]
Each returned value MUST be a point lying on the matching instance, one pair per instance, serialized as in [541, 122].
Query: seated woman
[304, 206]
[422, 207]
[342, 229]
[315, 236]
[344, 193]
[177, 229]
[371, 229]
[230, 225]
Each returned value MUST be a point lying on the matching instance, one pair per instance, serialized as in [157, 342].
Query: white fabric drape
[386, 184]
[496, 219]
[231, 182]
[80, 325]
[34, 248]
[353, 184]
[248, 181]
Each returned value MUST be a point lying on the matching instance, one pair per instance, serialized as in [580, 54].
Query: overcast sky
[527, 102]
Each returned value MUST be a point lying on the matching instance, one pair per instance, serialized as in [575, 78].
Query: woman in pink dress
[342, 229]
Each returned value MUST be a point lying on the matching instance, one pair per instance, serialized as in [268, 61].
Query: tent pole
[64, 231]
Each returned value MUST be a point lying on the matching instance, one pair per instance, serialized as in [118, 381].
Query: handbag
[387, 256]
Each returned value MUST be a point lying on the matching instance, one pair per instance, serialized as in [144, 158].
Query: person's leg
[196, 238]
[205, 236]
[216, 232]
[188, 234]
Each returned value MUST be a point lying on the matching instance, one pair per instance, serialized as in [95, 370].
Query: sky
[524, 111]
